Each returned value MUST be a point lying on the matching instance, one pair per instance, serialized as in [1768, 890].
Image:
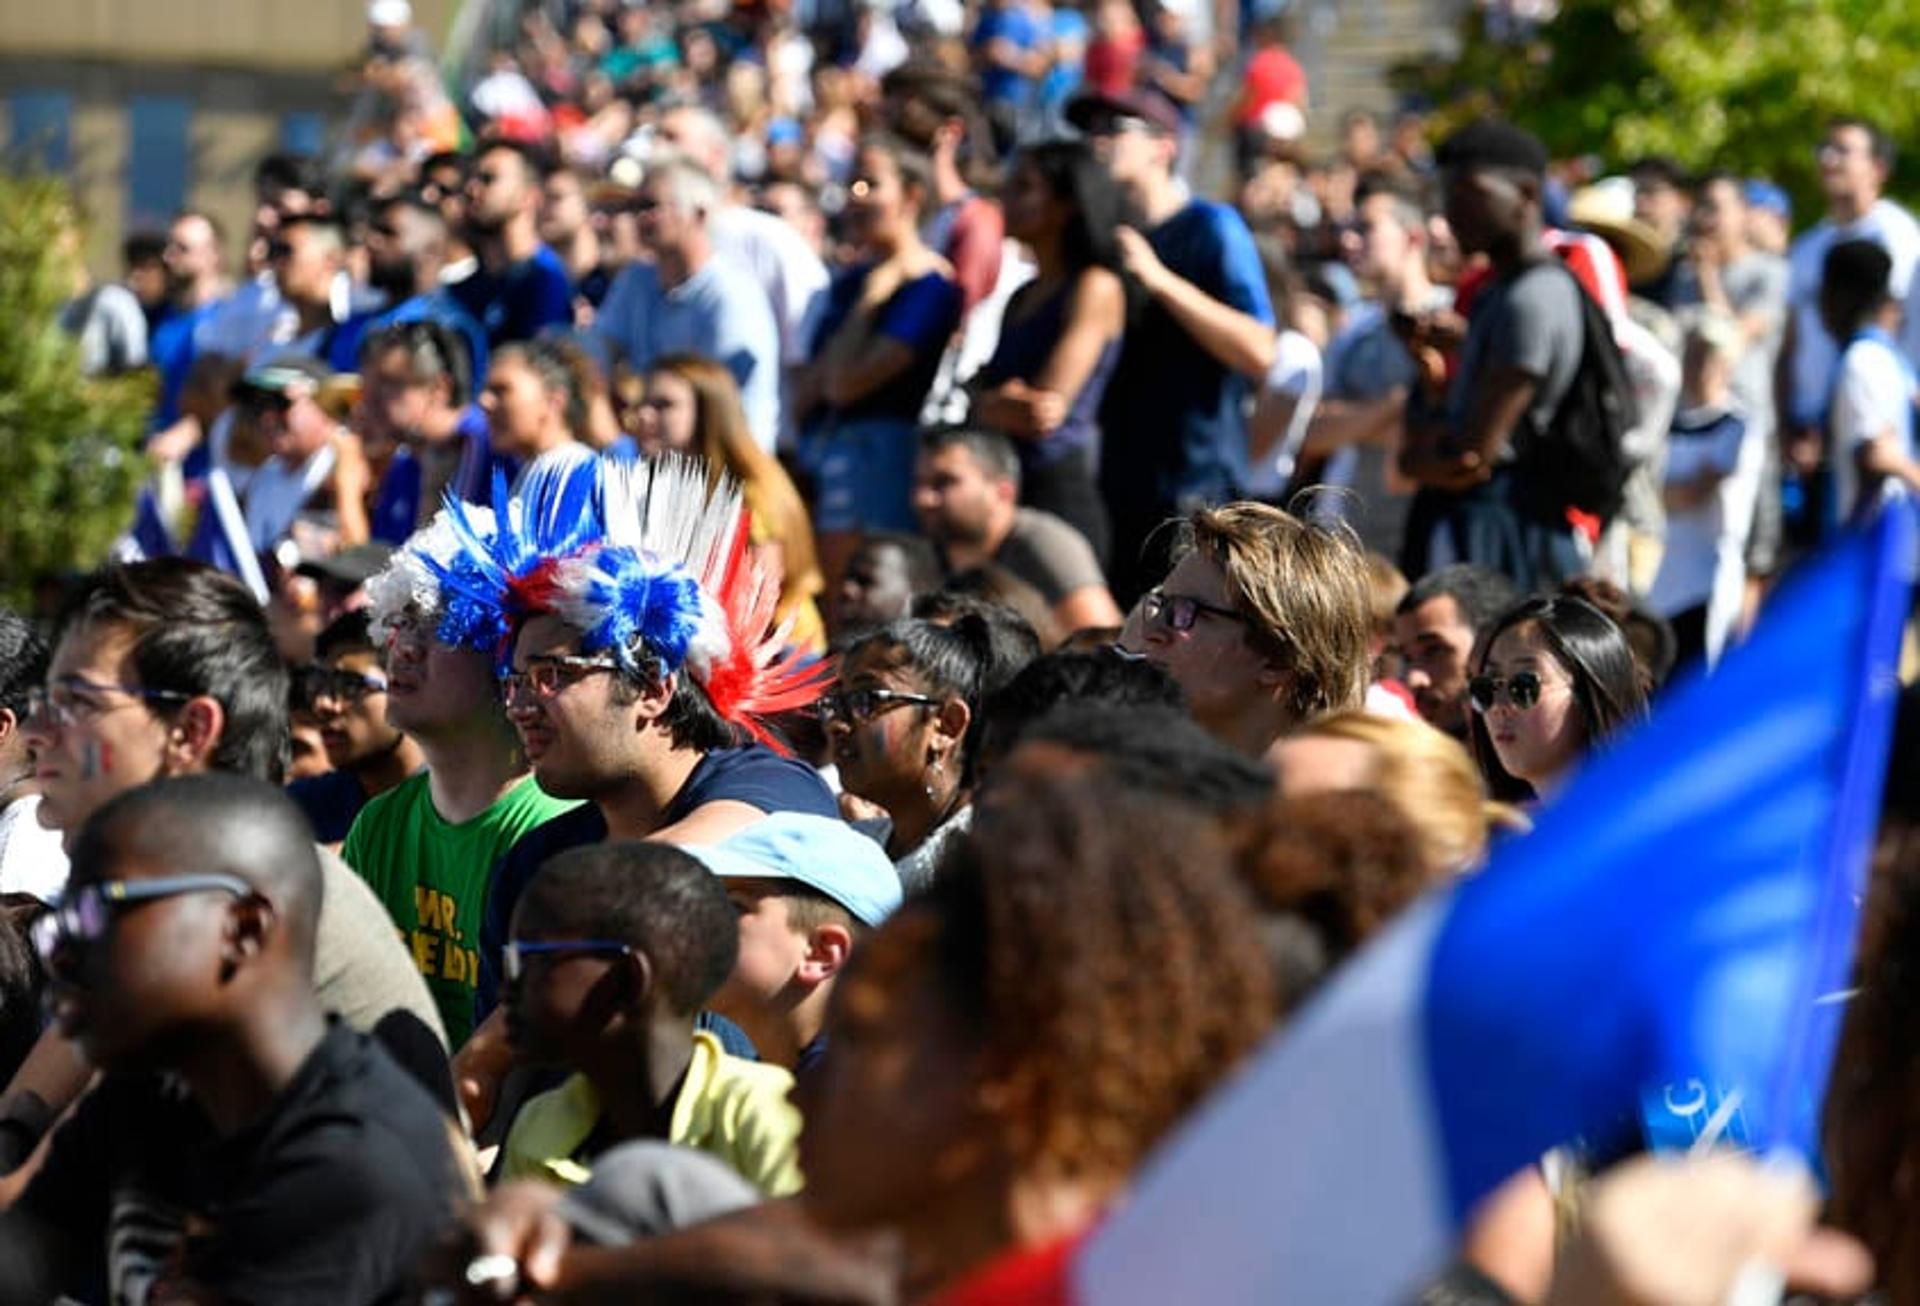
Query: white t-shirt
[1814, 351]
[793, 276]
[1874, 396]
[1704, 560]
[1296, 373]
[31, 858]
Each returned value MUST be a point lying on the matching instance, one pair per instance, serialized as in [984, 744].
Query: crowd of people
[760, 647]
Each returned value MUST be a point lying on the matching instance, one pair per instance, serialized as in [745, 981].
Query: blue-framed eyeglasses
[513, 957]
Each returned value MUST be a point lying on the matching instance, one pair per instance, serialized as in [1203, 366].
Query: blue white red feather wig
[651, 563]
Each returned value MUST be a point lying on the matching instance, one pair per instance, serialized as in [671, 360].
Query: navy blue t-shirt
[754, 775]
[520, 302]
[331, 801]
[922, 315]
[1173, 421]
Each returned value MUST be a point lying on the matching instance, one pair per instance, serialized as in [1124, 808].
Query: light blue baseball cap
[828, 856]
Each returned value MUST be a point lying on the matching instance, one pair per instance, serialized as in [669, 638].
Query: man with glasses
[637, 724]
[1173, 421]
[168, 668]
[243, 1144]
[614, 952]
[346, 691]
[1263, 622]
[430, 846]
[1855, 161]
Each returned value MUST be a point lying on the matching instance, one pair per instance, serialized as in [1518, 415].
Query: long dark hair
[1073, 175]
[1607, 689]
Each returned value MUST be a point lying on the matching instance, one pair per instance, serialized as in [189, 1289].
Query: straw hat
[1606, 209]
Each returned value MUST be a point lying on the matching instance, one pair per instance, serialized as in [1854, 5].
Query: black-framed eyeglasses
[311, 684]
[547, 676]
[84, 914]
[513, 957]
[61, 704]
[1178, 612]
[1521, 689]
[855, 705]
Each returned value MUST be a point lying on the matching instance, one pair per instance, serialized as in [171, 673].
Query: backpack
[1580, 459]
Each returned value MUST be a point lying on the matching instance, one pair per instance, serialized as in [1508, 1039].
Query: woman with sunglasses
[1552, 678]
[897, 723]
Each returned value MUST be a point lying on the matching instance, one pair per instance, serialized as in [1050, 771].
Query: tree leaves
[1747, 85]
[69, 446]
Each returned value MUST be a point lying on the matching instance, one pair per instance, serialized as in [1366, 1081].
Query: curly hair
[1329, 870]
[1104, 956]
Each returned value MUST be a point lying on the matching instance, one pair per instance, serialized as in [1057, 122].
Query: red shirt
[1113, 62]
[974, 247]
[1273, 77]
[1022, 1277]
[1591, 260]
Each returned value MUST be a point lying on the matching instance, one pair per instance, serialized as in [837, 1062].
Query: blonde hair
[721, 436]
[1386, 586]
[1431, 779]
[1303, 589]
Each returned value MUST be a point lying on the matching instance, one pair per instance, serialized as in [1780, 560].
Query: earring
[933, 773]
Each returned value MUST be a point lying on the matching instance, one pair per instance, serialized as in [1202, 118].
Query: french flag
[1683, 918]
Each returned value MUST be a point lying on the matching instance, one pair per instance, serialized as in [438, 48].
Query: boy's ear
[636, 978]
[828, 947]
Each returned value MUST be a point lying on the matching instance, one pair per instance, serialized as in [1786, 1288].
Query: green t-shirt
[433, 877]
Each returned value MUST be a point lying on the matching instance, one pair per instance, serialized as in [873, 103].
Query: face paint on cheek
[95, 760]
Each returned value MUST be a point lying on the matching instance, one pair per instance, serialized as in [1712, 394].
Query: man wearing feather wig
[639, 670]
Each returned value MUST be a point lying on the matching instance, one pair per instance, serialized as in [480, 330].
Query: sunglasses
[1522, 690]
[84, 915]
[315, 683]
[1179, 612]
[860, 704]
[513, 957]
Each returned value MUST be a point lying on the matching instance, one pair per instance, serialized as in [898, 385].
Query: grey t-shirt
[1532, 321]
[1754, 283]
[1049, 555]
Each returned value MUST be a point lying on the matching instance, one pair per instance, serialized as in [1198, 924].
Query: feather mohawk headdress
[651, 563]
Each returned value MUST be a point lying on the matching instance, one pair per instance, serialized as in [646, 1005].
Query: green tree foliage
[1740, 84]
[69, 446]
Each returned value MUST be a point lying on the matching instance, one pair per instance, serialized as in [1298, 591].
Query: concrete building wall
[222, 82]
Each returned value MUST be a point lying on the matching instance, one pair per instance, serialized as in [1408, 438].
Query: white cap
[1282, 121]
[389, 13]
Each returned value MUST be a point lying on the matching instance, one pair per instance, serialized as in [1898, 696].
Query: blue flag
[1708, 871]
[1674, 927]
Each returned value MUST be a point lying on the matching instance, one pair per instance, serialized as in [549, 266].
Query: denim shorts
[863, 476]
